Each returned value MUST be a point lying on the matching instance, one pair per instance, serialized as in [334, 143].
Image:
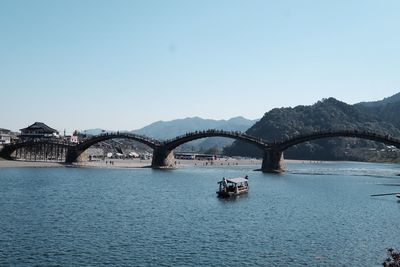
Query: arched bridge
[163, 150]
[76, 151]
[163, 155]
[274, 156]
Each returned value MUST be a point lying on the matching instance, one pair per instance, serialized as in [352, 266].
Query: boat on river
[233, 186]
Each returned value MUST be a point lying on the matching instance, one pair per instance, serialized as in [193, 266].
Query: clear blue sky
[125, 64]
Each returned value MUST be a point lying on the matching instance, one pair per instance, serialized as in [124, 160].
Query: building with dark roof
[38, 131]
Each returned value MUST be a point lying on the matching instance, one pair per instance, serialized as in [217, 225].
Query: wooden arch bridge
[163, 156]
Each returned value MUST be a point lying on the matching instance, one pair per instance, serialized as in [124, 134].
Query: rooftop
[40, 125]
[236, 180]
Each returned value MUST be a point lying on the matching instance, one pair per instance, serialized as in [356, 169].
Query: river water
[317, 214]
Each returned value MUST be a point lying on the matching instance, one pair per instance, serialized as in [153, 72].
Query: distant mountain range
[281, 123]
[95, 131]
[168, 129]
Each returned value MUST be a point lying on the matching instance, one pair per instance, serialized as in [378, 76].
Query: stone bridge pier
[273, 161]
[162, 158]
[5, 152]
[72, 155]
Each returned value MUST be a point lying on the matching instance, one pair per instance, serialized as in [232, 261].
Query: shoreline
[30, 164]
[137, 163]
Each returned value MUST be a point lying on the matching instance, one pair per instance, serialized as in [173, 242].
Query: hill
[281, 123]
[387, 100]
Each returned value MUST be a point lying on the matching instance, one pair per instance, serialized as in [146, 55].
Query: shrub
[393, 259]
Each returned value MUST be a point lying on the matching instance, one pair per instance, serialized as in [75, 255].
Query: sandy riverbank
[133, 163]
[36, 164]
[137, 163]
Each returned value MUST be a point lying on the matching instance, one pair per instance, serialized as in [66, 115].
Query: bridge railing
[188, 134]
[345, 132]
[41, 141]
[137, 136]
[215, 131]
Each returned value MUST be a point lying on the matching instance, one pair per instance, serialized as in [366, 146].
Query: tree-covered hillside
[281, 123]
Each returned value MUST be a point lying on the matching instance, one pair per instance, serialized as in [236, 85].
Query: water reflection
[233, 198]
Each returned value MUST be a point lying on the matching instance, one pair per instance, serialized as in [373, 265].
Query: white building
[5, 136]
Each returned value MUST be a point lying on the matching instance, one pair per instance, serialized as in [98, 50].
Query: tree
[393, 259]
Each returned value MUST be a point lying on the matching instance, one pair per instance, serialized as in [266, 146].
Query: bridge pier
[162, 158]
[72, 155]
[5, 152]
[273, 161]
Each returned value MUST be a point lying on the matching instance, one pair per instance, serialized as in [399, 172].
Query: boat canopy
[236, 180]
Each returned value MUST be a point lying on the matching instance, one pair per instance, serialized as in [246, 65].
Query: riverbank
[133, 163]
[30, 164]
[138, 163]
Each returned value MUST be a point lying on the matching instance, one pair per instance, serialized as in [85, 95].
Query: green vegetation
[282, 123]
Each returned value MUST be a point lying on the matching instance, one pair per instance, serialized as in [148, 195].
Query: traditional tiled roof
[40, 125]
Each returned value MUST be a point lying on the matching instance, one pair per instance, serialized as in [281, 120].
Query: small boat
[398, 195]
[233, 186]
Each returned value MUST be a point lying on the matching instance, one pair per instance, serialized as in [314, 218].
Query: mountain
[95, 131]
[387, 110]
[168, 129]
[388, 100]
[281, 123]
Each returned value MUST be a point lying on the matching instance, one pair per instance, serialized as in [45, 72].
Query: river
[315, 214]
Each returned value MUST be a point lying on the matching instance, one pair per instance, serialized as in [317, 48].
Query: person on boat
[246, 177]
[224, 183]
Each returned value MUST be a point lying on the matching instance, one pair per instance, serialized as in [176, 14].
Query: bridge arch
[273, 158]
[103, 137]
[386, 139]
[180, 140]
[75, 151]
[163, 156]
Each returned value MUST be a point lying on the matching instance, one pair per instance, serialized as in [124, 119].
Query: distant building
[74, 139]
[77, 137]
[5, 136]
[184, 155]
[38, 131]
[194, 156]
